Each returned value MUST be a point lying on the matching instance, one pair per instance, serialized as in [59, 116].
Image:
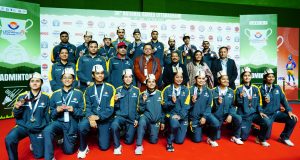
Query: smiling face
[270, 78]
[223, 81]
[67, 80]
[127, 79]
[98, 76]
[178, 78]
[64, 54]
[247, 77]
[35, 83]
[121, 33]
[151, 84]
[200, 80]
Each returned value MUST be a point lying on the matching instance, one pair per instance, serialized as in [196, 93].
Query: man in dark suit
[226, 64]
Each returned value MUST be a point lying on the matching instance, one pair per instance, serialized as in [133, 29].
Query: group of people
[133, 94]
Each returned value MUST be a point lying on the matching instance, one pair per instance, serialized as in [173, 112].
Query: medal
[32, 119]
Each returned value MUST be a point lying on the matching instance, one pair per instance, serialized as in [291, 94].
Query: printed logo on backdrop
[44, 22]
[201, 28]
[45, 55]
[144, 25]
[220, 28]
[173, 26]
[101, 24]
[56, 33]
[183, 27]
[79, 23]
[44, 44]
[133, 25]
[90, 24]
[112, 25]
[44, 66]
[228, 28]
[192, 27]
[163, 27]
[236, 29]
[55, 23]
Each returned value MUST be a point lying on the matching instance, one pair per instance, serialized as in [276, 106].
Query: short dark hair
[148, 44]
[63, 32]
[63, 48]
[222, 48]
[90, 42]
[205, 41]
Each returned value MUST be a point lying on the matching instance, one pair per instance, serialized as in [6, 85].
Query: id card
[66, 117]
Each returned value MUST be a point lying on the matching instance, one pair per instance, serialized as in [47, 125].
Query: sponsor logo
[55, 23]
[101, 24]
[201, 28]
[45, 66]
[44, 44]
[13, 25]
[90, 23]
[44, 21]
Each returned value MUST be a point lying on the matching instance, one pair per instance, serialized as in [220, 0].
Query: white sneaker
[264, 143]
[139, 150]
[236, 140]
[30, 147]
[117, 151]
[82, 154]
[287, 142]
[60, 141]
[212, 143]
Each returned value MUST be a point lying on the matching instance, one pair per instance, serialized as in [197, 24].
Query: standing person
[225, 64]
[66, 109]
[209, 55]
[151, 114]
[290, 66]
[57, 69]
[176, 103]
[99, 110]
[85, 65]
[146, 64]
[64, 38]
[187, 49]
[172, 68]
[168, 51]
[224, 109]
[121, 37]
[31, 113]
[125, 111]
[83, 49]
[273, 97]
[158, 47]
[135, 48]
[117, 64]
[200, 113]
[249, 104]
[107, 51]
[196, 65]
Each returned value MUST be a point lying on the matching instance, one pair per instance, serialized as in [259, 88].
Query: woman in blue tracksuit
[99, 110]
[224, 109]
[66, 109]
[31, 113]
[57, 69]
[249, 103]
[176, 103]
[126, 115]
[273, 97]
[200, 113]
[151, 114]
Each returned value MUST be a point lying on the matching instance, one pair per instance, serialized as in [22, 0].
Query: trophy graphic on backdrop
[13, 30]
[258, 40]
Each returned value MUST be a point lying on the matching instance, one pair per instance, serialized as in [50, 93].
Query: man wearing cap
[273, 97]
[135, 48]
[57, 68]
[158, 47]
[126, 115]
[99, 110]
[176, 103]
[32, 116]
[66, 110]
[249, 107]
[117, 64]
[151, 114]
[226, 64]
[121, 37]
[83, 49]
[187, 50]
[107, 51]
[223, 107]
[200, 113]
[85, 65]
[64, 37]
[146, 64]
[168, 51]
[172, 68]
[209, 55]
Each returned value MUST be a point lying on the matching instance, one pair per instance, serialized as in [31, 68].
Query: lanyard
[100, 96]
[64, 100]
[266, 89]
[35, 106]
[106, 51]
[248, 91]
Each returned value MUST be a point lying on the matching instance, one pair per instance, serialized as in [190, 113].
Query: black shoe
[170, 148]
